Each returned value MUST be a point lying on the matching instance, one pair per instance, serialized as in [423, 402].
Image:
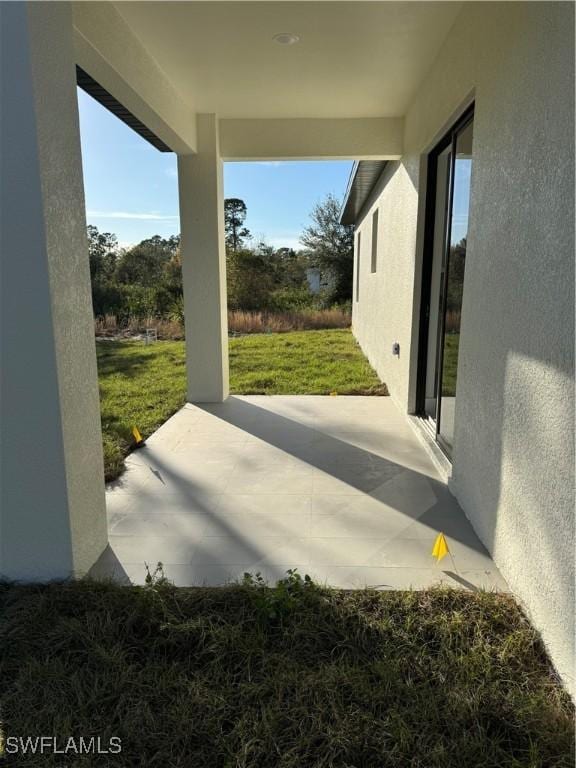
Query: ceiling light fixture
[286, 38]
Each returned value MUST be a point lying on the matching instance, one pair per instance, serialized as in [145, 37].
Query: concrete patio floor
[338, 487]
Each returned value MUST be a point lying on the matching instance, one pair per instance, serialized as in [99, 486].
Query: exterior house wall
[383, 313]
[513, 456]
[52, 508]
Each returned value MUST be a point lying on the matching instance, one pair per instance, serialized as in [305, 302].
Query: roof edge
[90, 86]
[363, 178]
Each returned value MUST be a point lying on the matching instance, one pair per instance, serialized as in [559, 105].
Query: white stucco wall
[513, 467]
[52, 508]
[383, 314]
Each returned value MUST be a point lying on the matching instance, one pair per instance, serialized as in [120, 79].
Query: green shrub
[290, 299]
[274, 604]
[176, 311]
[140, 300]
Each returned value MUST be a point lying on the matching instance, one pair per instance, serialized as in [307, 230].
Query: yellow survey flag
[137, 435]
[440, 548]
[333, 394]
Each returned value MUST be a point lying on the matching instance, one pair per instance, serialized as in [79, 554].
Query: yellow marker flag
[440, 548]
[333, 394]
[137, 435]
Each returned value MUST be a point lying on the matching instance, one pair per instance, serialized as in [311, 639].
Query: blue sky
[461, 202]
[131, 188]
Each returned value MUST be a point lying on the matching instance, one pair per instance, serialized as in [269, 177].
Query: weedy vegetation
[289, 676]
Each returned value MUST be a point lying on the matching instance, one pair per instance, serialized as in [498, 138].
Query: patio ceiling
[340, 92]
[354, 59]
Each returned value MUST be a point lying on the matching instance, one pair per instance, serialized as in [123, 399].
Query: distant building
[317, 280]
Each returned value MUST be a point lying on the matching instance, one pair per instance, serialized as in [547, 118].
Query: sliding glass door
[448, 203]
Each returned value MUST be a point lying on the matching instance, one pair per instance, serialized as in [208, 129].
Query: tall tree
[234, 217]
[164, 246]
[103, 253]
[456, 281]
[330, 246]
[250, 280]
[147, 262]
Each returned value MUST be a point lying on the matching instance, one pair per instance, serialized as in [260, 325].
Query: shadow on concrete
[372, 472]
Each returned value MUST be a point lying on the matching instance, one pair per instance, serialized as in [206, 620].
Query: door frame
[448, 140]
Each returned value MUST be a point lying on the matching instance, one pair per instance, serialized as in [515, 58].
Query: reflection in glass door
[448, 202]
[437, 280]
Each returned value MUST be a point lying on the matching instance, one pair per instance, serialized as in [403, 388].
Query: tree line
[146, 279]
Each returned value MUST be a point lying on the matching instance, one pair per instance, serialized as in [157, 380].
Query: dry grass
[283, 322]
[294, 676]
[239, 323]
[109, 327]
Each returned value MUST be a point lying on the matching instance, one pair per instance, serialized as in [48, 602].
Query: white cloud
[129, 215]
[284, 242]
[172, 173]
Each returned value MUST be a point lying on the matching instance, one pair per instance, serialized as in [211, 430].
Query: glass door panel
[454, 283]
[436, 281]
[446, 232]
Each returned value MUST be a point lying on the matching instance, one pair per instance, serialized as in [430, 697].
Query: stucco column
[52, 509]
[204, 266]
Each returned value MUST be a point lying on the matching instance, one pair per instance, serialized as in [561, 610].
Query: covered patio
[55, 485]
[339, 487]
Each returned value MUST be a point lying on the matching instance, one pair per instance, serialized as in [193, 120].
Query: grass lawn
[291, 677]
[301, 363]
[144, 385]
[450, 364]
[139, 385]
